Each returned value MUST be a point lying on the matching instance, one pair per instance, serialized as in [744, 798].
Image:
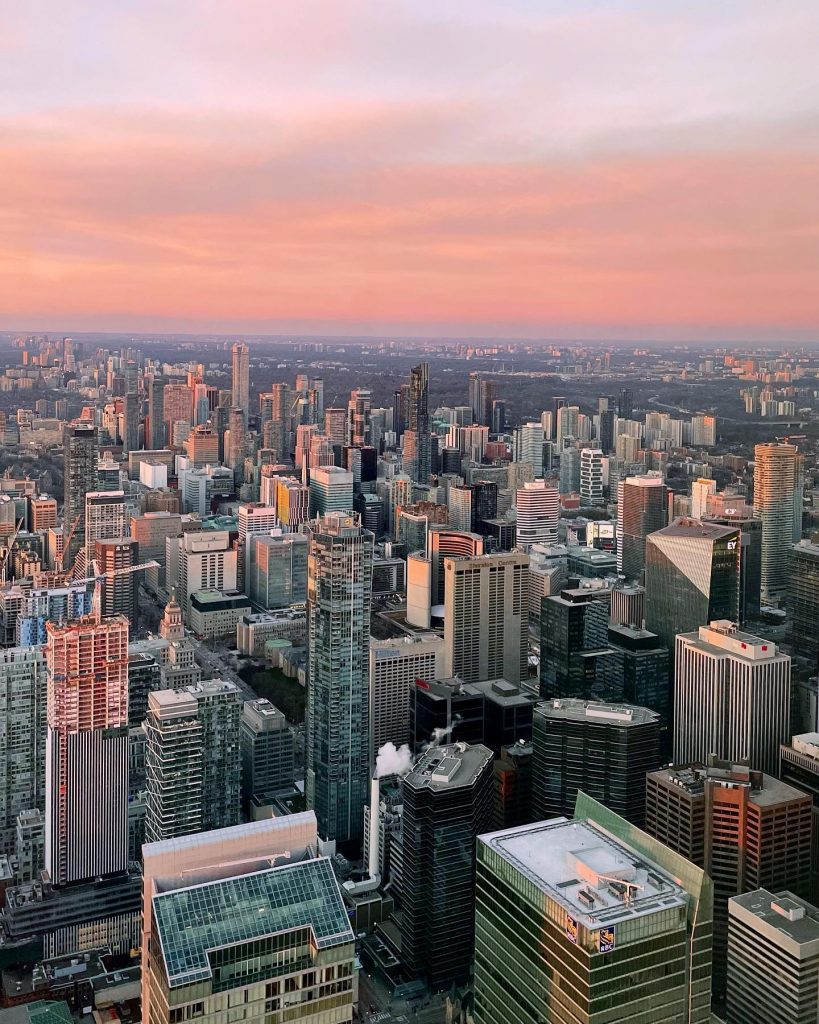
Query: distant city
[389, 681]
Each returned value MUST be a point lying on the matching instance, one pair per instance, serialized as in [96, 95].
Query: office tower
[105, 517]
[731, 510]
[155, 434]
[803, 599]
[642, 508]
[174, 753]
[196, 860]
[150, 531]
[335, 425]
[552, 897]
[235, 447]
[292, 501]
[527, 446]
[625, 404]
[447, 804]
[605, 434]
[177, 408]
[482, 394]
[470, 505]
[593, 476]
[358, 416]
[569, 479]
[701, 490]
[87, 742]
[119, 588]
[22, 738]
[130, 415]
[277, 569]
[43, 512]
[512, 797]
[486, 617]
[573, 635]
[200, 486]
[773, 959]
[240, 378]
[778, 486]
[537, 505]
[80, 456]
[418, 422]
[731, 697]
[202, 447]
[339, 593]
[746, 829]
[395, 666]
[637, 671]
[604, 750]
[255, 518]
[268, 751]
[331, 490]
[692, 577]
[283, 931]
[200, 561]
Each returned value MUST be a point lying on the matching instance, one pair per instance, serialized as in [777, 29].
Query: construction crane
[60, 559]
[112, 574]
[7, 555]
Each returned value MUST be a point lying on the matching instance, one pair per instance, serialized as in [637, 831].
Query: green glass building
[589, 921]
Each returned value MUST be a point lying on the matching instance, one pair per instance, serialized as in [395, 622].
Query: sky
[510, 168]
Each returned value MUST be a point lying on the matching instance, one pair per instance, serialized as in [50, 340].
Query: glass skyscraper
[339, 593]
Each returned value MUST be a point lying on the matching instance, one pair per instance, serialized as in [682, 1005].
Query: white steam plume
[392, 760]
[439, 735]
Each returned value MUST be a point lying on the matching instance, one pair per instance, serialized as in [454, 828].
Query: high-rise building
[482, 394]
[331, 490]
[604, 750]
[22, 738]
[731, 698]
[637, 671]
[200, 561]
[236, 443]
[528, 446]
[174, 754]
[418, 423]
[642, 508]
[744, 828]
[277, 569]
[339, 595]
[701, 490]
[570, 914]
[731, 510]
[80, 456]
[240, 377]
[692, 577]
[177, 408]
[625, 404]
[86, 749]
[778, 487]
[268, 749]
[43, 512]
[803, 599]
[486, 616]
[292, 501]
[358, 416]
[573, 636]
[119, 589]
[202, 447]
[285, 948]
[447, 804]
[155, 431]
[105, 518]
[773, 959]
[395, 666]
[594, 473]
[537, 506]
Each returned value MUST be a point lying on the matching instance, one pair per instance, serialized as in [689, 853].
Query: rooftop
[573, 709]
[784, 918]
[694, 529]
[765, 790]
[598, 880]
[450, 766]
[191, 922]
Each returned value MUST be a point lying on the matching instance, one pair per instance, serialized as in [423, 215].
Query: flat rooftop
[692, 778]
[597, 880]
[446, 767]
[783, 917]
[576, 710]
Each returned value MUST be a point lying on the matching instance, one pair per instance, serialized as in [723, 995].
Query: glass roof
[192, 921]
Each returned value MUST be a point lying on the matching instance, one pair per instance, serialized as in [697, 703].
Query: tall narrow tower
[339, 592]
[421, 466]
[778, 485]
[80, 455]
[241, 377]
[86, 748]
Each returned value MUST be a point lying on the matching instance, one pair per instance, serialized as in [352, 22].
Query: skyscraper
[104, 518]
[803, 599]
[486, 617]
[604, 750]
[573, 634]
[173, 766]
[22, 737]
[156, 412]
[538, 510]
[447, 803]
[80, 456]
[641, 509]
[235, 452]
[419, 422]
[339, 593]
[692, 577]
[586, 920]
[731, 698]
[594, 468]
[331, 490]
[241, 378]
[778, 486]
[87, 748]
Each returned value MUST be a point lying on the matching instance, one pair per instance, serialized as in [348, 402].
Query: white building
[538, 511]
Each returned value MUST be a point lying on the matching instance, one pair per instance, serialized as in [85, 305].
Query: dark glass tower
[418, 416]
[80, 456]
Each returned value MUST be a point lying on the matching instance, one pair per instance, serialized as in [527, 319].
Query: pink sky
[526, 169]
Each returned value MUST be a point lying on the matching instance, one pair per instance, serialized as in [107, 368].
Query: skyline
[486, 170]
